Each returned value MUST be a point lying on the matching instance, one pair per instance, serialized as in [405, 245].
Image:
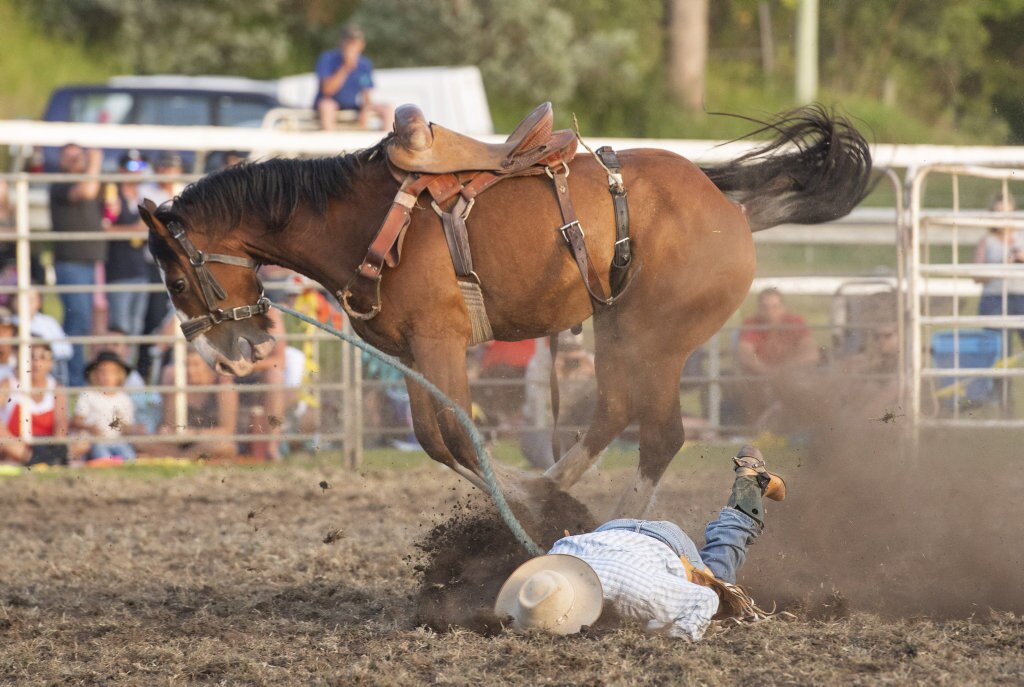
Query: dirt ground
[308, 575]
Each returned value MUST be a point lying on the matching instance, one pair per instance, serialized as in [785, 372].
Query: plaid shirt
[643, 579]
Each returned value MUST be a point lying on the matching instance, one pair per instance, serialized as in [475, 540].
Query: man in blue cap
[345, 79]
[649, 571]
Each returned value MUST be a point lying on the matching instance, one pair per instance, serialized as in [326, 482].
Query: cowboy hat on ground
[556, 593]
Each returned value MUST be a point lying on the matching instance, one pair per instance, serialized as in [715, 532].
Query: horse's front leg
[428, 430]
[443, 362]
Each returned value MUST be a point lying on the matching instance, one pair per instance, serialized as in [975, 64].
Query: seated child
[106, 413]
[146, 404]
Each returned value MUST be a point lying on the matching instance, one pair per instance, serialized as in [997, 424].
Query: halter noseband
[212, 290]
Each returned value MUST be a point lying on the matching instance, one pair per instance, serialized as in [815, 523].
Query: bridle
[212, 290]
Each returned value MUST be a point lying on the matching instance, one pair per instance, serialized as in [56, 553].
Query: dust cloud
[872, 523]
[869, 523]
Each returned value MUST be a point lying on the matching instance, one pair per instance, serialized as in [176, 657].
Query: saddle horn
[412, 129]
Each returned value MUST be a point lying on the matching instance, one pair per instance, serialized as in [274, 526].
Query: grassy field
[31, 65]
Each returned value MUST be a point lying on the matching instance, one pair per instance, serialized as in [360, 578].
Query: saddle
[425, 148]
[455, 169]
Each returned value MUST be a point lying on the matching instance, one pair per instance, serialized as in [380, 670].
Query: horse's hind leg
[656, 394]
[611, 414]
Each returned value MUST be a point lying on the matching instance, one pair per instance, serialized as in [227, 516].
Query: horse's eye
[178, 286]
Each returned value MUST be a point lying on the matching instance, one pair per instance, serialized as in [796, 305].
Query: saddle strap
[623, 255]
[572, 232]
[384, 249]
[395, 222]
[457, 236]
[454, 219]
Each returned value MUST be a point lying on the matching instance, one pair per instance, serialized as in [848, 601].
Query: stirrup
[749, 462]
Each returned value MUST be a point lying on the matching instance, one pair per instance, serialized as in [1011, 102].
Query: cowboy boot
[750, 462]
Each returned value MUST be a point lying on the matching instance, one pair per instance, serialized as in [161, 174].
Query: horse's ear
[146, 212]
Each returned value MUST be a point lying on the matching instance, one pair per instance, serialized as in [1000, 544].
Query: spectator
[162, 191]
[301, 368]
[42, 326]
[212, 415]
[577, 383]
[106, 413]
[1002, 245]
[45, 404]
[876, 387]
[8, 330]
[346, 82]
[772, 341]
[502, 392]
[127, 263]
[8, 266]
[158, 303]
[8, 249]
[146, 404]
[269, 402]
[234, 157]
[78, 206]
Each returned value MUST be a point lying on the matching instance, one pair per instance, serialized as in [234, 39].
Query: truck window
[100, 108]
[240, 111]
[173, 110]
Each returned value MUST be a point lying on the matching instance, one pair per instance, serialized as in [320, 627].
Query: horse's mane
[270, 191]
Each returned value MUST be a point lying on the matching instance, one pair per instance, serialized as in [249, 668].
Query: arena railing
[864, 226]
[339, 377]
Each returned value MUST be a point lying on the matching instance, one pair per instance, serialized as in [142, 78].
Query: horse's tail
[816, 170]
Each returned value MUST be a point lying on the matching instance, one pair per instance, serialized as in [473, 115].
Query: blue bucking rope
[467, 423]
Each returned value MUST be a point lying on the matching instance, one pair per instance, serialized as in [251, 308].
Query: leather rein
[213, 292]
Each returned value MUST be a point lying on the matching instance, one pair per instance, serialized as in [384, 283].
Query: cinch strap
[623, 255]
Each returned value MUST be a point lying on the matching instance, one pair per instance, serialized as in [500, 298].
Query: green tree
[257, 38]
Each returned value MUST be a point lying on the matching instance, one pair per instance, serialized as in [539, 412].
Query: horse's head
[217, 295]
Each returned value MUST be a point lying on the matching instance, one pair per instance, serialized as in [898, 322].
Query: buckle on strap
[562, 172]
[615, 183]
[240, 312]
[244, 312]
[566, 227]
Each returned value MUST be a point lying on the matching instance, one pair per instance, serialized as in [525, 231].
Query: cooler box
[979, 348]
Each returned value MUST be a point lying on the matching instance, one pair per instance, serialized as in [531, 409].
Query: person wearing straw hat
[107, 413]
[647, 571]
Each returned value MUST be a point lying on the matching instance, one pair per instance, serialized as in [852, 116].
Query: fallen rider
[649, 571]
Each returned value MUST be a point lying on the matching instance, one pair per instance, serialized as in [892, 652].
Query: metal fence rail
[918, 284]
[952, 405]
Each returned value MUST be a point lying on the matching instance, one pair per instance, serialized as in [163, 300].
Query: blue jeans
[127, 309]
[992, 304]
[77, 312]
[725, 539]
[725, 543]
[115, 448]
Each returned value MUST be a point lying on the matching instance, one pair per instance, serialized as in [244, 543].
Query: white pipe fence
[917, 279]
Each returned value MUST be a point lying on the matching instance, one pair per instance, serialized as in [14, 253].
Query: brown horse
[693, 262]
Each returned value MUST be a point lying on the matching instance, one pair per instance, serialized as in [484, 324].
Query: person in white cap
[648, 571]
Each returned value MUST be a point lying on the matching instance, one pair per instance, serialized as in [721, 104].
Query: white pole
[807, 51]
[23, 249]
